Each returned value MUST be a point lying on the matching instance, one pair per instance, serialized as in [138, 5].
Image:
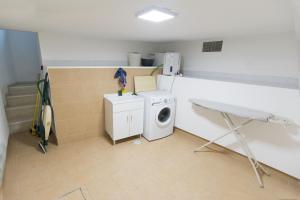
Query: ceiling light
[156, 14]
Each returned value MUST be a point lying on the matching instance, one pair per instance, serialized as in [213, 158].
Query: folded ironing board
[244, 112]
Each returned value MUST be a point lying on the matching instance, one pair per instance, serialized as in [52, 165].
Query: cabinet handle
[127, 118]
[131, 118]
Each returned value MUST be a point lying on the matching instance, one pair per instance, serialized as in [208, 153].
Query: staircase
[20, 106]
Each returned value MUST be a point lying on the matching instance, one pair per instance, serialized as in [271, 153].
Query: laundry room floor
[93, 169]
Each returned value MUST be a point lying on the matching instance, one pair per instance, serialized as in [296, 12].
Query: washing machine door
[163, 116]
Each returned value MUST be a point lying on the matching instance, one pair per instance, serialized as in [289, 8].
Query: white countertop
[125, 98]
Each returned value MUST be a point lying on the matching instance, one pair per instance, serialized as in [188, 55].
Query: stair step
[21, 89]
[21, 100]
[20, 108]
[24, 112]
[20, 126]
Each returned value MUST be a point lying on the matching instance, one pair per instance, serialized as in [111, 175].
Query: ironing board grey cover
[233, 109]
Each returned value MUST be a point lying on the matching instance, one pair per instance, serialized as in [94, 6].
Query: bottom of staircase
[20, 126]
[20, 108]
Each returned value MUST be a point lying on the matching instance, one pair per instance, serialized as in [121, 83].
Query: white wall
[60, 49]
[272, 144]
[296, 5]
[6, 78]
[264, 60]
[6, 64]
[26, 57]
[258, 58]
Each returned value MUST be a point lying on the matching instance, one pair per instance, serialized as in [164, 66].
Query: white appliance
[170, 61]
[134, 59]
[123, 115]
[159, 114]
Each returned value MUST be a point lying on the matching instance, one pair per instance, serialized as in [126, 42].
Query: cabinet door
[136, 122]
[121, 125]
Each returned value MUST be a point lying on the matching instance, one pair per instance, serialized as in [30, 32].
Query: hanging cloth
[121, 74]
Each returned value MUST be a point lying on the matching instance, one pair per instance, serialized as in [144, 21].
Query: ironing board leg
[254, 163]
[229, 132]
[210, 142]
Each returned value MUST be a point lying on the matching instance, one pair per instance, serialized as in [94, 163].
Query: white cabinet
[121, 125]
[124, 115]
[137, 122]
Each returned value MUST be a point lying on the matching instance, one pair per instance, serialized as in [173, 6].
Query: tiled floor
[165, 169]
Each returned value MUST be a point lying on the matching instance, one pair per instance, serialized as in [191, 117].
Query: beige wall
[77, 97]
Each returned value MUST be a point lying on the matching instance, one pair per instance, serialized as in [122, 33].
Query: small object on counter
[123, 91]
[119, 92]
[121, 74]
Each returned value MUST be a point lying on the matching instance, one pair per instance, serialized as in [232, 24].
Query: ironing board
[250, 115]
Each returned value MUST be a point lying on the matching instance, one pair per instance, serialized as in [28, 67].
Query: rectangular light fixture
[156, 14]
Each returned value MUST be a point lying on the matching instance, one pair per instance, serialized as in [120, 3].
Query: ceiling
[115, 19]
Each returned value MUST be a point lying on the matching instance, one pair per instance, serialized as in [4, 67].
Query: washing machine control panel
[162, 100]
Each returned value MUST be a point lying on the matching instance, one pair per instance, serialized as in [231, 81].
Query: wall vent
[212, 46]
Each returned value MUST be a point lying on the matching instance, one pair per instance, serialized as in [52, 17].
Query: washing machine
[159, 114]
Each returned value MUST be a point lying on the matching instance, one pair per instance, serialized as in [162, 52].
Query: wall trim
[273, 81]
[85, 62]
